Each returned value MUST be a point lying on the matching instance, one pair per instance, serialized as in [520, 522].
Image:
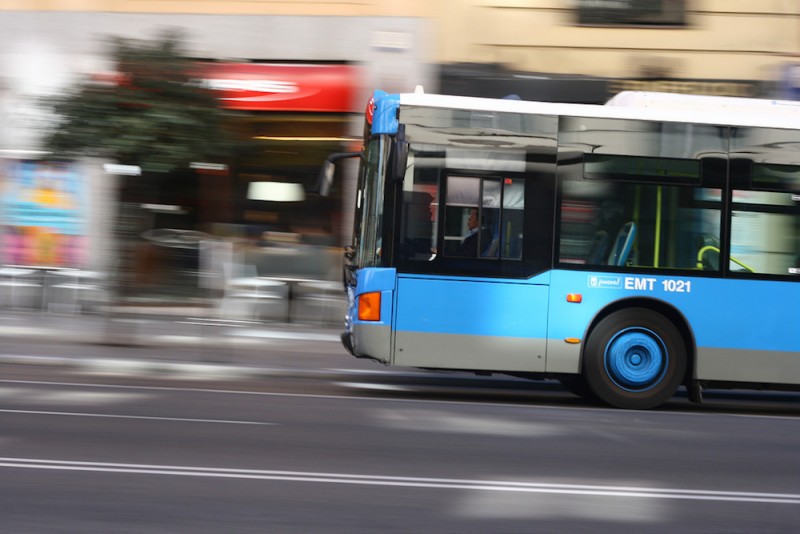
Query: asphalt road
[352, 447]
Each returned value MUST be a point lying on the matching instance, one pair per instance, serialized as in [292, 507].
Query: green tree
[153, 113]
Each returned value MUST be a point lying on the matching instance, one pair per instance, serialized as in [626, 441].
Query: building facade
[721, 47]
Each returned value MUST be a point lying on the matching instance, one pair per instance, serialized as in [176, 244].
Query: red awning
[284, 87]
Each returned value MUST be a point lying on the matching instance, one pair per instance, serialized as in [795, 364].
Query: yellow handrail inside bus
[707, 248]
[657, 250]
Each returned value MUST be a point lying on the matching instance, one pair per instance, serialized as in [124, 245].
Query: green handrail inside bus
[709, 248]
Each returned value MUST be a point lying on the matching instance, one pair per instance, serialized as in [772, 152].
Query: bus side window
[419, 211]
[462, 217]
[765, 210]
[483, 217]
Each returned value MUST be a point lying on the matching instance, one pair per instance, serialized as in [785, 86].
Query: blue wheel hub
[636, 359]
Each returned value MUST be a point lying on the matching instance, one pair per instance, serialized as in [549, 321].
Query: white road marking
[415, 482]
[150, 418]
[374, 386]
[444, 422]
[500, 506]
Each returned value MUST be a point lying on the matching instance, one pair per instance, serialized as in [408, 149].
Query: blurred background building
[300, 73]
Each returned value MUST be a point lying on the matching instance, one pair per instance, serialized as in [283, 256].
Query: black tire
[635, 359]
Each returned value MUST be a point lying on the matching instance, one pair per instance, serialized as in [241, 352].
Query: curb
[225, 337]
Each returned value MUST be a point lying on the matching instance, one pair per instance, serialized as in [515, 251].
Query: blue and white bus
[625, 249]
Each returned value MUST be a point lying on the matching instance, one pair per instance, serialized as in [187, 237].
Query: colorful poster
[42, 210]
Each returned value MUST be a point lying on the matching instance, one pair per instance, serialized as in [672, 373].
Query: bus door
[481, 324]
[461, 300]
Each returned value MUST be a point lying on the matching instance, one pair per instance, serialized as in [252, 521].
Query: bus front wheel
[635, 359]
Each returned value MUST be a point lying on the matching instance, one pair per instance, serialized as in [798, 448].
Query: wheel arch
[664, 308]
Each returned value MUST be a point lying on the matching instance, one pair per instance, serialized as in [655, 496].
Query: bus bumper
[372, 342]
[347, 341]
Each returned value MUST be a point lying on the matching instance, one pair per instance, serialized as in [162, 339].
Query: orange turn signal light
[369, 306]
[577, 298]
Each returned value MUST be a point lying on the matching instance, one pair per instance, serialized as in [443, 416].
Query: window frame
[671, 14]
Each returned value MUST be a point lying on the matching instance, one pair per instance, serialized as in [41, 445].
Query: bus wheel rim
[636, 359]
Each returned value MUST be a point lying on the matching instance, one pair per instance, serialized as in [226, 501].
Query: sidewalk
[177, 340]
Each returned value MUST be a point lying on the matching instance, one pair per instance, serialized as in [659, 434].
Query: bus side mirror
[326, 178]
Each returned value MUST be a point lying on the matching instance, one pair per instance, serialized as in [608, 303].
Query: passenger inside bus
[476, 236]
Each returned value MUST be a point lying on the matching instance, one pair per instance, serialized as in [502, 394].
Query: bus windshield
[369, 204]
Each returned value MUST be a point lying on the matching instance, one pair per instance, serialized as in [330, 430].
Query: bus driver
[469, 246]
